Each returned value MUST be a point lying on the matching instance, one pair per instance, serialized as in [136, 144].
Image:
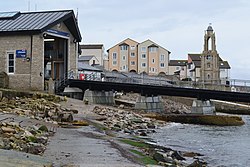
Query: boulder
[8, 130]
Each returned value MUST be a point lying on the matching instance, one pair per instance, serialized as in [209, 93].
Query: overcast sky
[177, 25]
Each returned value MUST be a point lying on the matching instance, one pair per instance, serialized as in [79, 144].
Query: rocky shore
[136, 124]
[29, 123]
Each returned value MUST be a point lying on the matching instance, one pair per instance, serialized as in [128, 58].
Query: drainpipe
[31, 52]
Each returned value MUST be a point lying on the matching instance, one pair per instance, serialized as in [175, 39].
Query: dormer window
[124, 47]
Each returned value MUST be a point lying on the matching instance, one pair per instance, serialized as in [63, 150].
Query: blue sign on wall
[21, 53]
[61, 33]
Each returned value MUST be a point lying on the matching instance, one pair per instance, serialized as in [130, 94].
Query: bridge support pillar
[149, 104]
[205, 107]
[99, 97]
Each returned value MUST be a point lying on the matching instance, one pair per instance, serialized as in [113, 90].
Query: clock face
[209, 57]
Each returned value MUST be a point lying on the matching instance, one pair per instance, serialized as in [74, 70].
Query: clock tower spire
[210, 72]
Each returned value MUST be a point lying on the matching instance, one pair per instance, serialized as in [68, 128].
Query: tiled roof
[38, 22]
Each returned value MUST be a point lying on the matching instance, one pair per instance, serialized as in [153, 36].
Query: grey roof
[38, 22]
[92, 46]
[86, 67]
[224, 65]
[178, 62]
[195, 57]
[85, 58]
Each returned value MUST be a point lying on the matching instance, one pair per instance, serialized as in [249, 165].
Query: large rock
[8, 130]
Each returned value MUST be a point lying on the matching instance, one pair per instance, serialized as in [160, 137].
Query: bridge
[161, 89]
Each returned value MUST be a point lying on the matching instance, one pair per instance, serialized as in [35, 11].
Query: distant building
[123, 56]
[178, 68]
[36, 46]
[95, 50]
[194, 68]
[132, 56]
[208, 67]
[91, 60]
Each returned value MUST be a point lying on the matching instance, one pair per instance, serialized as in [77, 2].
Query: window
[123, 57]
[208, 65]
[153, 60]
[11, 63]
[152, 49]
[114, 55]
[177, 68]
[132, 54]
[153, 69]
[124, 67]
[143, 49]
[124, 47]
[143, 56]
[132, 47]
[132, 63]
[143, 64]
[162, 65]
[114, 62]
[162, 58]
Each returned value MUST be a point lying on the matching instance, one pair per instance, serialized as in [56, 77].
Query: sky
[177, 25]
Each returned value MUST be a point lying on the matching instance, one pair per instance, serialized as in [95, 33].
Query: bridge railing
[234, 85]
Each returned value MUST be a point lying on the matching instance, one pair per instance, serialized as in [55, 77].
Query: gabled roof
[123, 42]
[85, 58]
[154, 44]
[38, 22]
[92, 46]
[178, 62]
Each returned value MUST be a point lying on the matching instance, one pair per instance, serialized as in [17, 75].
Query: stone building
[210, 65]
[35, 46]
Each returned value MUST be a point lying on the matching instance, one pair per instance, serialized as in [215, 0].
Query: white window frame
[114, 53]
[133, 54]
[143, 57]
[162, 65]
[124, 47]
[114, 62]
[132, 63]
[143, 66]
[162, 57]
[153, 61]
[143, 49]
[132, 47]
[124, 58]
[14, 59]
[152, 49]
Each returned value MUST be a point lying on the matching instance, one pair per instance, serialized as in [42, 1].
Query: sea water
[221, 146]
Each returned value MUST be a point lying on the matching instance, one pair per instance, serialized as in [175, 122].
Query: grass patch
[135, 143]
[144, 159]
